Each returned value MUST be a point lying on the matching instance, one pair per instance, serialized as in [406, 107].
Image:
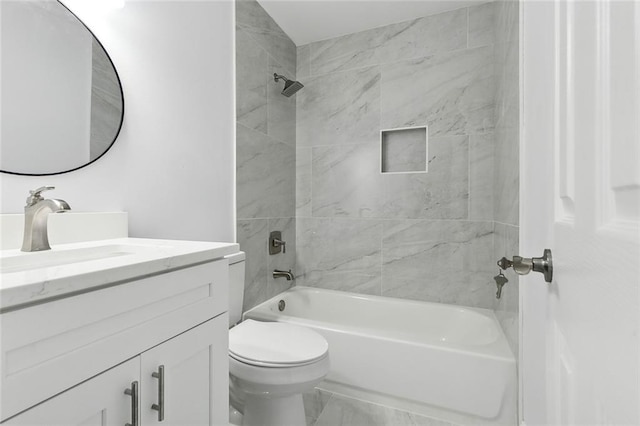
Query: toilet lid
[275, 344]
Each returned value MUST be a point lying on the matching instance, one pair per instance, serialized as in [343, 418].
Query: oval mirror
[61, 100]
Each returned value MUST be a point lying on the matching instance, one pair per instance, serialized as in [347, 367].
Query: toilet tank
[236, 286]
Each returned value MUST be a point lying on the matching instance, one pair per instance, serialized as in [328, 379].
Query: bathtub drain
[281, 305]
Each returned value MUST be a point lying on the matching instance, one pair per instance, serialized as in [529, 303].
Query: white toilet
[270, 363]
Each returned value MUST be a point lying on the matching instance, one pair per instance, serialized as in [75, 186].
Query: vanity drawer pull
[134, 403]
[160, 405]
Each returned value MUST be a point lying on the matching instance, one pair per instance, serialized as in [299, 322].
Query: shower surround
[265, 149]
[426, 236]
[309, 165]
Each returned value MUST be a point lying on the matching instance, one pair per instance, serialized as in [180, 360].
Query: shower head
[290, 86]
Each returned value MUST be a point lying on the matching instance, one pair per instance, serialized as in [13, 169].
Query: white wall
[172, 167]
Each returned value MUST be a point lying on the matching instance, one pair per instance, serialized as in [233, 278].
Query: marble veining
[303, 181]
[438, 261]
[406, 75]
[452, 93]
[281, 110]
[343, 411]
[410, 39]
[506, 158]
[481, 176]
[265, 181]
[252, 18]
[339, 254]
[341, 108]
[442, 193]
[346, 181]
[507, 177]
[314, 402]
[302, 61]
[481, 25]
[251, 82]
[265, 149]
[432, 236]
[90, 265]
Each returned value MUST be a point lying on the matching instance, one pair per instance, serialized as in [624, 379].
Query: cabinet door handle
[134, 403]
[160, 405]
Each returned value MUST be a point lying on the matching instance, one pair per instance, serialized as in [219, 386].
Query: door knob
[523, 265]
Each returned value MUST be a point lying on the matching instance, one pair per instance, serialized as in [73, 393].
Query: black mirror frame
[115, 136]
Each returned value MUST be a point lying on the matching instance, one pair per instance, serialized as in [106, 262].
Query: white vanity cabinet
[98, 401]
[69, 361]
[189, 374]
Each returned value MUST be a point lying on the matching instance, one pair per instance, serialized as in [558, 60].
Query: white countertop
[69, 269]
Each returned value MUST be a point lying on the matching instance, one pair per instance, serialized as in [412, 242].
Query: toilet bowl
[270, 364]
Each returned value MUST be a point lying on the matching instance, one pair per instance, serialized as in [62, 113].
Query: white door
[100, 401]
[580, 197]
[194, 393]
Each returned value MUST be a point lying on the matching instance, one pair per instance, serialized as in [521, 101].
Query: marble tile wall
[265, 149]
[507, 112]
[311, 169]
[418, 236]
[506, 159]
[309, 166]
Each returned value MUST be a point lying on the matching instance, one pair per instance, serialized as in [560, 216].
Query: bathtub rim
[497, 350]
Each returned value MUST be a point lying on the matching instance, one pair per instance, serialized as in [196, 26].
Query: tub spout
[286, 274]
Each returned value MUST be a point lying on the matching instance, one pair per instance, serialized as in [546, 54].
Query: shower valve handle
[280, 243]
[276, 244]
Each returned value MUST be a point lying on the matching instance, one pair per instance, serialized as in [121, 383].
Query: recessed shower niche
[404, 150]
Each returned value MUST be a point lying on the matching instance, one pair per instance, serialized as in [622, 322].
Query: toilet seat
[275, 344]
[257, 379]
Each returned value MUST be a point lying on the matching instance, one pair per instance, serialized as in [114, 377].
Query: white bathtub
[443, 358]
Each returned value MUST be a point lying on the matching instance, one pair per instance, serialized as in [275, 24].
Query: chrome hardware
[160, 405]
[283, 274]
[134, 403]
[505, 263]
[281, 305]
[501, 280]
[35, 194]
[36, 212]
[523, 265]
[290, 86]
[276, 244]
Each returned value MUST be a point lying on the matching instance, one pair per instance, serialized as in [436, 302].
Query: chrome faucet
[286, 274]
[36, 212]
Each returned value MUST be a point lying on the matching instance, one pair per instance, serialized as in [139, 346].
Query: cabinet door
[98, 401]
[194, 392]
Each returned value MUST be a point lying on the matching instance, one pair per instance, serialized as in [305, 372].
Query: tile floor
[327, 409]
